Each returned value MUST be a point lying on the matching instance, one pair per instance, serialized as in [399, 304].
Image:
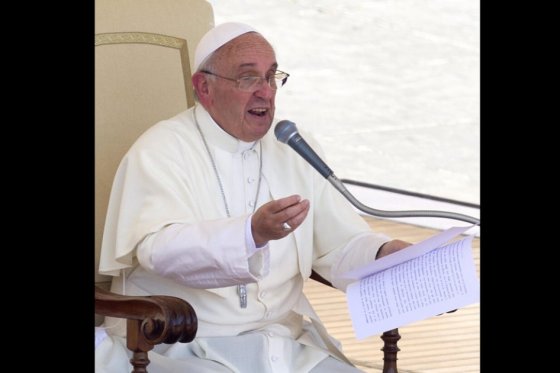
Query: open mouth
[259, 112]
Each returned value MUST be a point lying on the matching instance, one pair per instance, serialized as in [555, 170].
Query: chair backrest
[143, 53]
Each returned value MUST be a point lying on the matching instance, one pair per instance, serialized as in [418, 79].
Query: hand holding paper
[423, 280]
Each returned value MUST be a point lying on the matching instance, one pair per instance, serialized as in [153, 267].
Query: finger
[297, 214]
[293, 210]
[392, 247]
[283, 203]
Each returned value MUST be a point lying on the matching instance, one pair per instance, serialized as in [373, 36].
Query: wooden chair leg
[390, 349]
[139, 362]
[136, 342]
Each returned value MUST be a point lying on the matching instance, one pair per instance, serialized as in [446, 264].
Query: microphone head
[284, 130]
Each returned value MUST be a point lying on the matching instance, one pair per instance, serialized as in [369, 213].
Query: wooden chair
[142, 75]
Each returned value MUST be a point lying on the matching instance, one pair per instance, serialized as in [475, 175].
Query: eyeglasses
[253, 83]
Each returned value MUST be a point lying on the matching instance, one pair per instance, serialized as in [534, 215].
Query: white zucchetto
[217, 37]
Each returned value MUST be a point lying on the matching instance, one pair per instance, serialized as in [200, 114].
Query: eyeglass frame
[260, 79]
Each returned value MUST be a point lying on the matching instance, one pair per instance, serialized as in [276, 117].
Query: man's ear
[200, 84]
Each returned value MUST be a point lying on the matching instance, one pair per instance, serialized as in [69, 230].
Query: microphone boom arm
[397, 214]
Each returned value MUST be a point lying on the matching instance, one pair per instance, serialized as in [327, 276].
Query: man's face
[244, 115]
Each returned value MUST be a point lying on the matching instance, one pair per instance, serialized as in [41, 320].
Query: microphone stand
[397, 214]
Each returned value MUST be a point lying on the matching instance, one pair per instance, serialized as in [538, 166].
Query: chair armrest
[163, 319]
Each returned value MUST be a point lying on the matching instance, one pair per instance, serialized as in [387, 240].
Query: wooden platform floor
[442, 344]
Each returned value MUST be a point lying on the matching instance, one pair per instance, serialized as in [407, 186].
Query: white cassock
[166, 180]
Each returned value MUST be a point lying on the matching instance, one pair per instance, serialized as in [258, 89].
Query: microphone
[287, 133]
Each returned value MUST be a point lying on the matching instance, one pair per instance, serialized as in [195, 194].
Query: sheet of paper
[410, 252]
[437, 281]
